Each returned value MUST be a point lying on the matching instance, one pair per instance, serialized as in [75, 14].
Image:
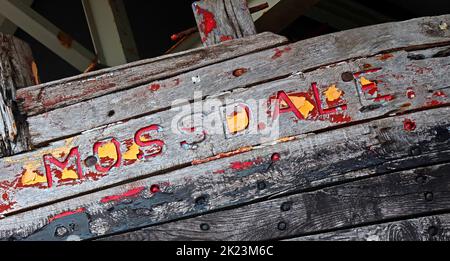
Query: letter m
[67, 169]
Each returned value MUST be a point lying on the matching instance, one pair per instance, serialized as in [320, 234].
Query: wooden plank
[46, 97]
[169, 139]
[223, 20]
[396, 73]
[431, 228]
[209, 81]
[380, 198]
[302, 56]
[305, 163]
[15, 72]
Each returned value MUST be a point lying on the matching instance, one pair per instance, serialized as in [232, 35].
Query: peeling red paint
[220, 171]
[358, 74]
[279, 52]
[225, 38]
[409, 125]
[340, 118]
[386, 98]
[209, 22]
[66, 214]
[131, 193]
[6, 207]
[385, 57]
[94, 176]
[244, 165]
[5, 197]
[433, 103]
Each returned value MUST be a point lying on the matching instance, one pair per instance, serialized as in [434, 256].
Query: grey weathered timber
[431, 228]
[393, 196]
[259, 67]
[48, 96]
[396, 74]
[223, 20]
[15, 72]
[305, 163]
[116, 147]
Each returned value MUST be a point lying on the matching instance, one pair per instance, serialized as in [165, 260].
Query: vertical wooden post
[222, 20]
[15, 72]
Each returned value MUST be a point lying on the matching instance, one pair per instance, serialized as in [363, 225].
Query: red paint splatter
[409, 125]
[208, 24]
[128, 194]
[5, 197]
[440, 94]
[155, 189]
[411, 93]
[225, 38]
[280, 52]
[385, 57]
[154, 87]
[220, 171]
[94, 176]
[66, 214]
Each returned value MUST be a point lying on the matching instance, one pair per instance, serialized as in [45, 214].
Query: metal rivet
[429, 196]
[276, 157]
[282, 226]
[61, 231]
[433, 231]
[111, 113]
[286, 206]
[347, 77]
[90, 161]
[415, 151]
[261, 185]
[204, 227]
[421, 179]
[155, 189]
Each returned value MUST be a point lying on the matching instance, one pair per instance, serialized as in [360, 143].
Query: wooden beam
[223, 20]
[16, 62]
[47, 33]
[110, 31]
[6, 26]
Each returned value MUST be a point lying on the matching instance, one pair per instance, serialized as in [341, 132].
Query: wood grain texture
[376, 199]
[396, 73]
[431, 228]
[119, 156]
[57, 94]
[15, 72]
[259, 67]
[309, 162]
[223, 20]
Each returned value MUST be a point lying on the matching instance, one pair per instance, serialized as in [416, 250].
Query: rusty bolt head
[239, 72]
